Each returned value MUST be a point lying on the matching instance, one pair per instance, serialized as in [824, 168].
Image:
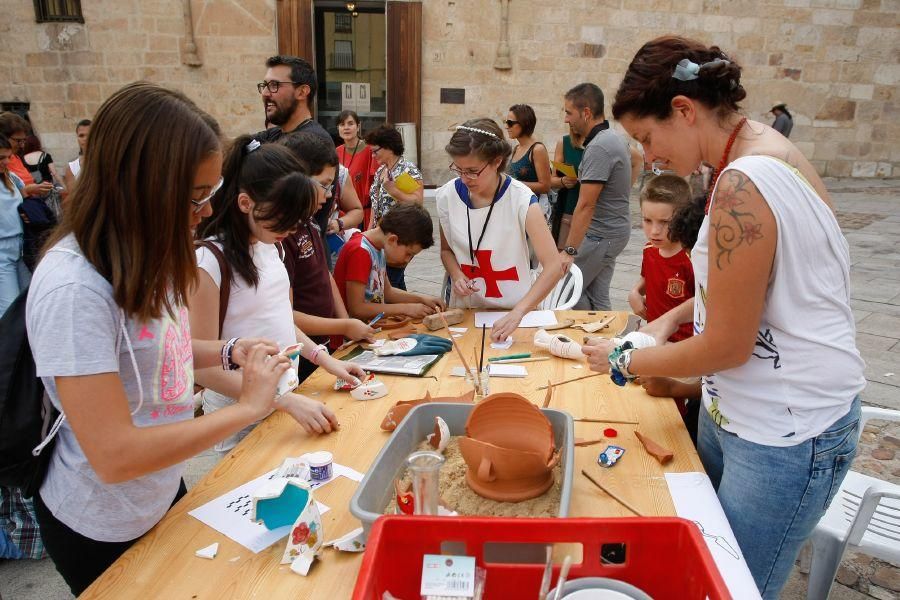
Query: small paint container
[320, 465]
[610, 456]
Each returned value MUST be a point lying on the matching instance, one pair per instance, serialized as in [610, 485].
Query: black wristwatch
[571, 250]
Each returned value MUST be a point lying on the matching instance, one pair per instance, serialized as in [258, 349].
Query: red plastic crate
[665, 557]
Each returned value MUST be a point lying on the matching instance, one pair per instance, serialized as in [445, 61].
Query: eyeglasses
[273, 86]
[19, 140]
[468, 173]
[199, 204]
[328, 189]
[510, 123]
[376, 149]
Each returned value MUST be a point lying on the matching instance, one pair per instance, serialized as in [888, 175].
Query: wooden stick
[548, 396]
[461, 357]
[587, 420]
[586, 442]
[510, 361]
[544, 387]
[615, 497]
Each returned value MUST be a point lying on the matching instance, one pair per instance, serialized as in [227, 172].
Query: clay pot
[508, 449]
[505, 474]
[398, 411]
[511, 421]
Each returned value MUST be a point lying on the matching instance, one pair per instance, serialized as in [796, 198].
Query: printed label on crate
[448, 575]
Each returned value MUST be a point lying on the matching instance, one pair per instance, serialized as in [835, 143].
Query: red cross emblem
[490, 276]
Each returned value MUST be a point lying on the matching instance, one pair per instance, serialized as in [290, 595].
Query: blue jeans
[774, 496]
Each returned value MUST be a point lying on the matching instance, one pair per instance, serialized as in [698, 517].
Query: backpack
[28, 421]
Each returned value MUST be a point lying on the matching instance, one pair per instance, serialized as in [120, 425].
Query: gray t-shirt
[783, 125]
[606, 160]
[74, 328]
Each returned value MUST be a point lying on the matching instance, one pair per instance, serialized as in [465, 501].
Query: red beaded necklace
[724, 162]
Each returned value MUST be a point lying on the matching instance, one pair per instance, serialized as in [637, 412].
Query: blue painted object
[283, 510]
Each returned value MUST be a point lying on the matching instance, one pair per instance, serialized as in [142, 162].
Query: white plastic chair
[566, 293]
[863, 517]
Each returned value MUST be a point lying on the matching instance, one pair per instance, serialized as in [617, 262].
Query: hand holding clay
[505, 327]
[464, 286]
[241, 351]
[260, 376]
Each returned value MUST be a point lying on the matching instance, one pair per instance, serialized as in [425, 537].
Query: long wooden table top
[163, 565]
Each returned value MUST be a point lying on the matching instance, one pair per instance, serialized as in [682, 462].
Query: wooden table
[162, 564]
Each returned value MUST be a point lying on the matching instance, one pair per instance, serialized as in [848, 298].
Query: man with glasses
[16, 129]
[288, 93]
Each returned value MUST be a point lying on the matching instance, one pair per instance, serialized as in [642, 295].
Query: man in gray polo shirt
[601, 223]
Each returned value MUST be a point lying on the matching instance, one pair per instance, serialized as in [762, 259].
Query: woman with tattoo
[775, 337]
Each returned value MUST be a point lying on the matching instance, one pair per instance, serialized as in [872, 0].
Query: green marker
[510, 356]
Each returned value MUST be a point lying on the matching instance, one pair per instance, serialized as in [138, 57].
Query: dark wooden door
[404, 65]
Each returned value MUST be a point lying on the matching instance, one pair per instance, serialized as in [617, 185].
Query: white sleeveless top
[500, 264]
[75, 167]
[805, 369]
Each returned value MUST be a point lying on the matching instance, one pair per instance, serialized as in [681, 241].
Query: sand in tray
[457, 495]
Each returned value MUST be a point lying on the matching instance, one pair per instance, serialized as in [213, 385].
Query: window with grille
[343, 23]
[53, 11]
[342, 58]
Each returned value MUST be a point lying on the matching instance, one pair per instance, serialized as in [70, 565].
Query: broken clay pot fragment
[508, 449]
[398, 411]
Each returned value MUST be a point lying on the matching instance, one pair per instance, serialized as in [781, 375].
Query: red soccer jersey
[667, 283]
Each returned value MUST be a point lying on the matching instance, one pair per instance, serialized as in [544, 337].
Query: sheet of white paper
[507, 371]
[229, 514]
[459, 329]
[456, 335]
[536, 318]
[696, 500]
[504, 345]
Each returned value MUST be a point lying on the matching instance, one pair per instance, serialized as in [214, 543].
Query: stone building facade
[834, 62]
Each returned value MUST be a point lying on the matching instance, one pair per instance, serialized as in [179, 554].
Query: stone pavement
[869, 213]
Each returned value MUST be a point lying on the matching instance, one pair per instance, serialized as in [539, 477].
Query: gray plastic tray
[376, 488]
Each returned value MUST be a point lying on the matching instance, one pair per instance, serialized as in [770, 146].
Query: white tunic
[805, 369]
[500, 264]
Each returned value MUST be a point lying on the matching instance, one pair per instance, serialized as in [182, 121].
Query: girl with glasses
[108, 328]
[264, 198]
[487, 221]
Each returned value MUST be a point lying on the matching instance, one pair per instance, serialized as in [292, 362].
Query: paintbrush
[615, 497]
[349, 343]
[462, 358]
[588, 420]
[481, 357]
[544, 387]
[510, 361]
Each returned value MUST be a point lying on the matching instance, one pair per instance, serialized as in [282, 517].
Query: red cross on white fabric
[487, 272]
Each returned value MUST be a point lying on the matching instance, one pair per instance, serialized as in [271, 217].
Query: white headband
[476, 130]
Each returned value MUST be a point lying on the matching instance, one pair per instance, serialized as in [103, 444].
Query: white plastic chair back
[565, 294]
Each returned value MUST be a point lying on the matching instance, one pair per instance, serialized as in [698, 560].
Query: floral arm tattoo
[731, 223]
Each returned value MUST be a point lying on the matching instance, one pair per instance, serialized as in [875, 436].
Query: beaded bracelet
[314, 357]
[227, 353]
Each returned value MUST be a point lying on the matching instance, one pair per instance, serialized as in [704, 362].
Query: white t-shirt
[264, 311]
[805, 369]
[501, 267]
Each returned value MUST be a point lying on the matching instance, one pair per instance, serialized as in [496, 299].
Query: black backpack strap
[225, 276]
